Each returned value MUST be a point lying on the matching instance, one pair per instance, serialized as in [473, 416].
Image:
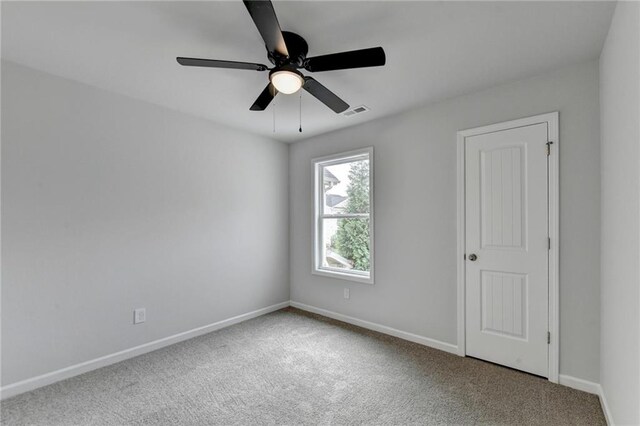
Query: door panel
[504, 303]
[507, 229]
[502, 201]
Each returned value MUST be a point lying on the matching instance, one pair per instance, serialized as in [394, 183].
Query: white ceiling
[435, 50]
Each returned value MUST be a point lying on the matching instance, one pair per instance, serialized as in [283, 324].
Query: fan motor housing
[297, 48]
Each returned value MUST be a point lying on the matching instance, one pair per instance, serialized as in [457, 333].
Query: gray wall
[109, 204]
[620, 120]
[415, 212]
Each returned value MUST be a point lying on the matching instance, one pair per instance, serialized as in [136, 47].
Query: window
[343, 225]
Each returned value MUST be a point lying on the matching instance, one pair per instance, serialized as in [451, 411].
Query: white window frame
[318, 216]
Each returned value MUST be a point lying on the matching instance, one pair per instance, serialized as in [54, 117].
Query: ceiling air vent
[356, 110]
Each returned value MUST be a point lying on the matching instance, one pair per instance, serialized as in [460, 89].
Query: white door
[507, 286]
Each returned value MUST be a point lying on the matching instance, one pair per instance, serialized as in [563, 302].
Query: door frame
[552, 120]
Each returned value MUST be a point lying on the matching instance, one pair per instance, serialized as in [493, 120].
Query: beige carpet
[290, 367]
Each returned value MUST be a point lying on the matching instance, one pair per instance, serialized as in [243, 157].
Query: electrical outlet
[346, 293]
[139, 315]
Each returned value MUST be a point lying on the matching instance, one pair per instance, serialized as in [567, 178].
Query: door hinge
[548, 337]
[549, 243]
[549, 148]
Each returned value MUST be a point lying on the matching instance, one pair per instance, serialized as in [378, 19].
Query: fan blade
[264, 16]
[265, 98]
[324, 95]
[213, 63]
[373, 57]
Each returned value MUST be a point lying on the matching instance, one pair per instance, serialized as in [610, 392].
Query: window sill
[344, 276]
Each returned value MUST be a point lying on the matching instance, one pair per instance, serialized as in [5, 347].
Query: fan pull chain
[274, 116]
[300, 129]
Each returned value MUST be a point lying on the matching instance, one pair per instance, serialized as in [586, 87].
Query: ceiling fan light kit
[287, 51]
[286, 81]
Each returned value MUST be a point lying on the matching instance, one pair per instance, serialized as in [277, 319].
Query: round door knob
[473, 257]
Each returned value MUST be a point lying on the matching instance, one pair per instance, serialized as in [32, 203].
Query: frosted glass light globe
[286, 82]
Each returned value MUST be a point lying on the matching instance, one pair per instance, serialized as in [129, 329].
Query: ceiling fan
[287, 51]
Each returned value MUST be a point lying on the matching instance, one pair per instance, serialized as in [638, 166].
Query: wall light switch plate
[139, 315]
[346, 293]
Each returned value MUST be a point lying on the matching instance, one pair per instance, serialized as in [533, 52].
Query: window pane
[345, 244]
[346, 187]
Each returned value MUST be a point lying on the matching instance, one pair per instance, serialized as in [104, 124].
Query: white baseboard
[432, 343]
[605, 406]
[579, 384]
[590, 387]
[83, 367]
[563, 379]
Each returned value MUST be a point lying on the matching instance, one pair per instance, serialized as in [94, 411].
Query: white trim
[512, 124]
[460, 251]
[589, 387]
[608, 415]
[552, 120]
[349, 276]
[425, 341]
[77, 369]
[342, 157]
[579, 384]
[318, 203]
[554, 253]
[83, 367]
